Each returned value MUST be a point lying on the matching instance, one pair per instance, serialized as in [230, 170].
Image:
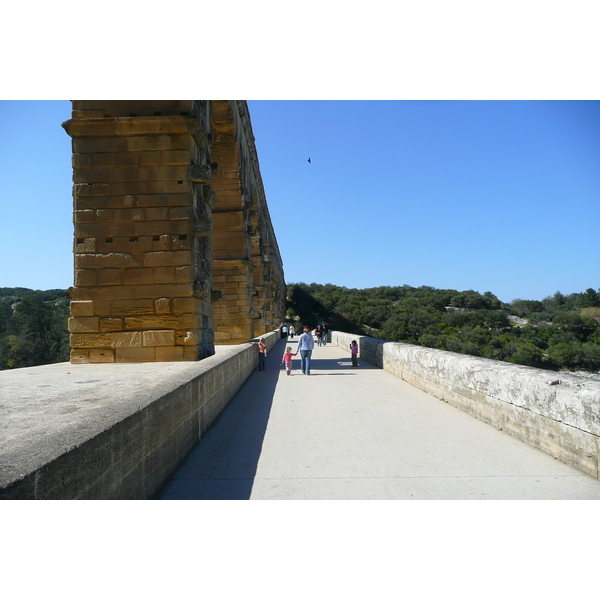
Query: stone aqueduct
[174, 247]
[174, 253]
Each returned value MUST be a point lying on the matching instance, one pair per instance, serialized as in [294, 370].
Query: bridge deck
[360, 433]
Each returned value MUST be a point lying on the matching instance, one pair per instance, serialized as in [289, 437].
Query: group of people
[285, 331]
[321, 332]
[305, 347]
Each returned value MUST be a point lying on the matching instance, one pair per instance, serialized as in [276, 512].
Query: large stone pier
[174, 246]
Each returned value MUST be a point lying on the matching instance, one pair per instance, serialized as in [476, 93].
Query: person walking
[284, 332]
[262, 353]
[354, 353]
[306, 343]
[324, 336]
[319, 334]
[287, 359]
[292, 332]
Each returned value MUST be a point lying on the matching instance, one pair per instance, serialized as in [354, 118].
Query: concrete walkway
[360, 433]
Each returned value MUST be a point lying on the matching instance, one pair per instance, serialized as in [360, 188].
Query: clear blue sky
[490, 196]
[500, 196]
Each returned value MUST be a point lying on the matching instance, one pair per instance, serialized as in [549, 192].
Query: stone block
[81, 160]
[190, 353]
[85, 245]
[162, 306]
[157, 213]
[84, 216]
[106, 261]
[85, 277]
[102, 308]
[128, 126]
[132, 307]
[91, 189]
[109, 292]
[102, 355]
[109, 277]
[110, 324]
[105, 230]
[160, 290]
[161, 243]
[82, 308]
[90, 340]
[184, 274]
[185, 305]
[188, 338]
[130, 174]
[164, 274]
[181, 241]
[141, 275]
[104, 215]
[79, 356]
[122, 244]
[180, 212]
[164, 200]
[237, 279]
[126, 339]
[133, 143]
[143, 188]
[144, 244]
[146, 158]
[135, 355]
[160, 227]
[184, 321]
[159, 338]
[84, 324]
[170, 353]
[129, 214]
[165, 259]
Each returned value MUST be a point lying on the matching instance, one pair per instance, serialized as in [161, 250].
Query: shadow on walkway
[223, 464]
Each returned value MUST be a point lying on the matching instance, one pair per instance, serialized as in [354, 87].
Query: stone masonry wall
[163, 237]
[557, 413]
[247, 266]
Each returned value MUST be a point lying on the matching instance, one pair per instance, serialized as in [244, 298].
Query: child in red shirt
[287, 359]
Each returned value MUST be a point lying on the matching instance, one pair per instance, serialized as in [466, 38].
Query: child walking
[287, 359]
[354, 352]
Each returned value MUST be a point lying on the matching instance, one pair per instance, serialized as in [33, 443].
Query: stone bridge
[175, 261]
[408, 423]
[174, 247]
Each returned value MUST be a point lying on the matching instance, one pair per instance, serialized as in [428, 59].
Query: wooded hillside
[557, 332]
[33, 327]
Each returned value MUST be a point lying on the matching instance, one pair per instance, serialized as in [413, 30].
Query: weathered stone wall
[159, 249]
[247, 266]
[557, 413]
[110, 431]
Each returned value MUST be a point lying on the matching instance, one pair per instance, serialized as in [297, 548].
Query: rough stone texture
[172, 231]
[247, 266]
[110, 431]
[557, 413]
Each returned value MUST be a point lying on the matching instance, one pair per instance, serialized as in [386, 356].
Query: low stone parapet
[555, 412]
[110, 431]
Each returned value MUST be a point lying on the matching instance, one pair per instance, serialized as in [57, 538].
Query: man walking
[305, 346]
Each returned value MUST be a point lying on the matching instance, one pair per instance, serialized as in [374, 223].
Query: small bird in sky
[309, 159]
